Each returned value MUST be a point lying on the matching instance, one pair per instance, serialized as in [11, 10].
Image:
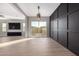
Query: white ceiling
[8, 11]
[46, 9]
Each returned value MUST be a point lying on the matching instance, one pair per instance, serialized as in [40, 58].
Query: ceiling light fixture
[38, 14]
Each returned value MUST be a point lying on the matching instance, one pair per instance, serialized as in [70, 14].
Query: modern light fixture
[38, 14]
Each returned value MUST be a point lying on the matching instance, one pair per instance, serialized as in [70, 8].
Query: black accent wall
[64, 26]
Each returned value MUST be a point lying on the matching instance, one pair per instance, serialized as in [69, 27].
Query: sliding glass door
[38, 28]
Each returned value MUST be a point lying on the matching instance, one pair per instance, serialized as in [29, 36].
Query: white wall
[27, 27]
[27, 21]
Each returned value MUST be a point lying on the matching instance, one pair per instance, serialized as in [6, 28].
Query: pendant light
[38, 14]
[38, 17]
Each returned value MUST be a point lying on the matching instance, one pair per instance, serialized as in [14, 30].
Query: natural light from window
[4, 27]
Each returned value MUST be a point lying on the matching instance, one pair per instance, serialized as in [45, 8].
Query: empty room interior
[39, 29]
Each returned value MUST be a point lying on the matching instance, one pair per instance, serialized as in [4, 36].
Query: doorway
[38, 28]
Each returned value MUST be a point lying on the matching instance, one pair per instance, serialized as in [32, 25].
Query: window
[42, 24]
[34, 23]
[23, 26]
[38, 23]
[4, 27]
[38, 28]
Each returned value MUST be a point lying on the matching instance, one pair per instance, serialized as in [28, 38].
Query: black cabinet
[65, 26]
[62, 30]
[54, 25]
[59, 24]
[54, 29]
[62, 38]
[73, 28]
[51, 28]
[73, 7]
[62, 25]
[62, 17]
[62, 9]
[74, 22]
[74, 42]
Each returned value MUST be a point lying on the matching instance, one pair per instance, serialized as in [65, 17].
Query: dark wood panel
[74, 22]
[74, 42]
[73, 7]
[62, 38]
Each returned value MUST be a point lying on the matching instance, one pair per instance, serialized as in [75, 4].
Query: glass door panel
[39, 29]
